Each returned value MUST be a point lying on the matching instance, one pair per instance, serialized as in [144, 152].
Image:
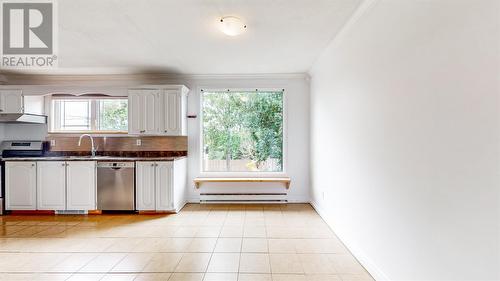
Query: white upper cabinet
[134, 108]
[51, 185]
[173, 105]
[150, 112]
[158, 110]
[11, 101]
[81, 185]
[143, 109]
[20, 185]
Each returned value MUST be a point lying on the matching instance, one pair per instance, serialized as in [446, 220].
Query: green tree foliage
[113, 115]
[243, 125]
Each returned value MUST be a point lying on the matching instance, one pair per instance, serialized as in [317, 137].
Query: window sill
[284, 180]
[242, 174]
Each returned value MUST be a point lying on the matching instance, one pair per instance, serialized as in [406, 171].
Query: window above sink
[84, 114]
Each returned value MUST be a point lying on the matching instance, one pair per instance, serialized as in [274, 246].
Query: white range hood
[22, 118]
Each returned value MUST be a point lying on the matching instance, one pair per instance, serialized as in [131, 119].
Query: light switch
[138, 142]
[52, 142]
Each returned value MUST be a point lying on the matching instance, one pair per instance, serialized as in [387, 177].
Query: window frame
[94, 113]
[214, 174]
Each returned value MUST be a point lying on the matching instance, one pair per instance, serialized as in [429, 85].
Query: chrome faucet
[91, 140]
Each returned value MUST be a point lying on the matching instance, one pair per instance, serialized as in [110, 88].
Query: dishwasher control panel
[115, 164]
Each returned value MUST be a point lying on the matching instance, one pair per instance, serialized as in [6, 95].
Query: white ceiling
[181, 36]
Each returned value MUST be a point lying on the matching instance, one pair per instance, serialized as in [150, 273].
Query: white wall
[405, 139]
[23, 131]
[297, 128]
[297, 123]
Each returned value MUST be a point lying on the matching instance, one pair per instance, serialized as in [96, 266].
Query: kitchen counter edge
[97, 158]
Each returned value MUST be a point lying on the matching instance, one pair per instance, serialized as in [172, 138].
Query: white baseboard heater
[235, 198]
[243, 190]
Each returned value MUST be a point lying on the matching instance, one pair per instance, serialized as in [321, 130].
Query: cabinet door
[143, 108]
[164, 186]
[11, 101]
[171, 113]
[145, 185]
[150, 111]
[81, 185]
[20, 185]
[51, 185]
[134, 117]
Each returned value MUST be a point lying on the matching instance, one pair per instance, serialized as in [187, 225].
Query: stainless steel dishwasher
[115, 186]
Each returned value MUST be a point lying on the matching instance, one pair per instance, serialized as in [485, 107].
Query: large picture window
[242, 131]
[89, 115]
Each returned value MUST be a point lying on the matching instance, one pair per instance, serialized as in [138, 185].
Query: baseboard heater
[255, 198]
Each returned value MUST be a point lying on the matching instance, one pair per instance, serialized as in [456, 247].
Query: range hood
[18, 108]
[23, 118]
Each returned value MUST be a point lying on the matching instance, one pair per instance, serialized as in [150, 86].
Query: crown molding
[272, 76]
[128, 79]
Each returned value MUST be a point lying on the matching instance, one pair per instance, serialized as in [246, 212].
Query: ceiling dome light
[232, 26]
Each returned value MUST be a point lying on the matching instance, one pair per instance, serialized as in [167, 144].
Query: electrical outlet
[138, 142]
[52, 142]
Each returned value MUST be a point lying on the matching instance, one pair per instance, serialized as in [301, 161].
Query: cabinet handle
[152, 165]
[142, 131]
[165, 131]
[33, 165]
[63, 164]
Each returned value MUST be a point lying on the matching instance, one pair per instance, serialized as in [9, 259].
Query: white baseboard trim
[299, 200]
[359, 254]
[290, 200]
[181, 206]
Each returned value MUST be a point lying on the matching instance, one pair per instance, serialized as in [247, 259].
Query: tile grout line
[291, 216]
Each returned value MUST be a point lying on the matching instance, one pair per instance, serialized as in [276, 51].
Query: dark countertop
[90, 158]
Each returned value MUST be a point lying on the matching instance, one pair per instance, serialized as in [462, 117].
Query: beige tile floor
[202, 242]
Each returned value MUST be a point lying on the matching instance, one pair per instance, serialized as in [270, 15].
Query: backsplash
[118, 144]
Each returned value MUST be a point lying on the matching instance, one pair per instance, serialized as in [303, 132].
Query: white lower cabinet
[163, 186]
[81, 185]
[145, 185]
[155, 186]
[71, 185]
[51, 185]
[20, 185]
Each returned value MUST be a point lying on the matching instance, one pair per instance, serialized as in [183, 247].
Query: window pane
[113, 115]
[243, 131]
[75, 115]
[90, 114]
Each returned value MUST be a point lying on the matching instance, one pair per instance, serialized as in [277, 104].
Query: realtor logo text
[28, 35]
